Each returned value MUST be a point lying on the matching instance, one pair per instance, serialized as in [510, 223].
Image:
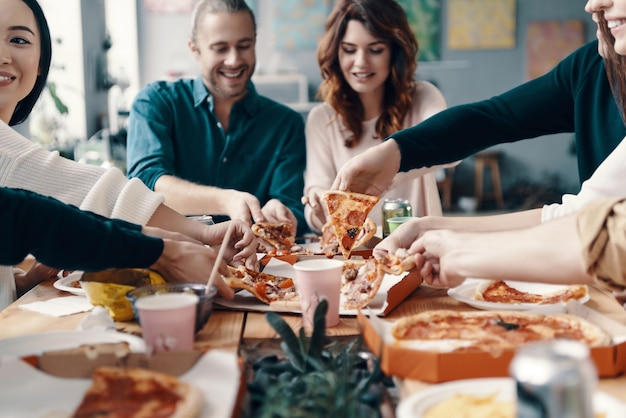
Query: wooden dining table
[245, 333]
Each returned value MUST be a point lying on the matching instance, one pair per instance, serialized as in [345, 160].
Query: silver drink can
[205, 219]
[394, 208]
[554, 379]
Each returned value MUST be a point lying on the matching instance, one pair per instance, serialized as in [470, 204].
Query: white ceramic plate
[34, 344]
[418, 403]
[65, 283]
[465, 293]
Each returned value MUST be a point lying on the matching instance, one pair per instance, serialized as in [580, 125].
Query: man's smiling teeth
[231, 74]
[615, 23]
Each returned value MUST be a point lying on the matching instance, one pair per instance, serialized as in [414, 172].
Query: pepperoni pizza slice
[138, 393]
[347, 213]
[265, 287]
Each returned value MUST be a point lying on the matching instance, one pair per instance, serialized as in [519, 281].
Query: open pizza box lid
[436, 367]
[391, 293]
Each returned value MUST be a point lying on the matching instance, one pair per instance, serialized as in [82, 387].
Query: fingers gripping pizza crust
[500, 292]
[138, 393]
[494, 331]
[397, 263]
[277, 234]
[347, 213]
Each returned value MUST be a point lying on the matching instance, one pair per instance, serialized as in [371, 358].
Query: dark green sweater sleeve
[63, 236]
[573, 97]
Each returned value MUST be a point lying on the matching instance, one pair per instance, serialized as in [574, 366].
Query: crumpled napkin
[98, 320]
[62, 306]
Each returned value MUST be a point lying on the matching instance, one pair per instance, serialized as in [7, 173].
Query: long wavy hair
[25, 106]
[384, 19]
[615, 65]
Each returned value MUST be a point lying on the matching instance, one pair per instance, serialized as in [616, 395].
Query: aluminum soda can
[554, 379]
[205, 219]
[394, 208]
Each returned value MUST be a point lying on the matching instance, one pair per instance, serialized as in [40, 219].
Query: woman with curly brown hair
[367, 57]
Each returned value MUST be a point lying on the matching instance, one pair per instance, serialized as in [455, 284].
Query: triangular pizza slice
[347, 212]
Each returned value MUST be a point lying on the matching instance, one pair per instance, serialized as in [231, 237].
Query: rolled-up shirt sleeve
[602, 231]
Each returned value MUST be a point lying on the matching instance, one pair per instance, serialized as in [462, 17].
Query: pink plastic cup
[167, 321]
[319, 279]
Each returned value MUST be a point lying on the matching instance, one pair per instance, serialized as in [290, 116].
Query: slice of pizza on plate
[266, 287]
[500, 291]
[138, 393]
[347, 213]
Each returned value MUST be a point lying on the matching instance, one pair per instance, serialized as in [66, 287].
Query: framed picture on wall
[481, 24]
[298, 24]
[548, 42]
[425, 19]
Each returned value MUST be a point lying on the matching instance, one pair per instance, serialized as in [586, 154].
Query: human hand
[318, 209]
[370, 172]
[183, 261]
[242, 245]
[437, 255]
[403, 237]
[275, 211]
[242, 206]
[37, 273]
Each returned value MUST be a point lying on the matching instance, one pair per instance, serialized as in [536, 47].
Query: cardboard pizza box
[436, 367]
[395, 294]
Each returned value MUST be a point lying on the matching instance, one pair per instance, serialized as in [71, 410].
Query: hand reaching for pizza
[319, 216]
[242, 246]
[436, 259]
[370, 172]
[275, 211]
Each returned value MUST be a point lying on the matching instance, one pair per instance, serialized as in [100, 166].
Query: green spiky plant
[313, 381]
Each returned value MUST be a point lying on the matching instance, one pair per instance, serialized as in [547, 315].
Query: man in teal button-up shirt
[212, 145]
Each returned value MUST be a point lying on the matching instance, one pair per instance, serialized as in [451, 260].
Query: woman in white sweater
[367, 57]
[25, 55]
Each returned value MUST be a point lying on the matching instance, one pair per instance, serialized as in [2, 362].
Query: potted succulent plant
[314, 379]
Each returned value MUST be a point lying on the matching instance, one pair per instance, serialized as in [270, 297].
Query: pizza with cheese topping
[347, 213]
[329, 244]
[499, 291]
[360, 282]
[265, 287]
[494, 331]
[138, 393]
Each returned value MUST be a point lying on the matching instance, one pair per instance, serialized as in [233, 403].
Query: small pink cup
[319, 279]
[167, 321]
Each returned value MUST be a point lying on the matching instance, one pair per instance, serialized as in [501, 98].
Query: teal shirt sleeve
[63, 236]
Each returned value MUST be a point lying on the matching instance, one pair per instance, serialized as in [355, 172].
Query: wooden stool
[482, 160]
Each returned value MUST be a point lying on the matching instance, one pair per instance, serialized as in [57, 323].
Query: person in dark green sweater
[575, 97]
[64, 236]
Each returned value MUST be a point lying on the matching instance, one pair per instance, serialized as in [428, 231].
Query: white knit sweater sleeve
[108, 192]
[606, 181]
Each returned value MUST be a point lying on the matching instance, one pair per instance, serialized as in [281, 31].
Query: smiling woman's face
[615, 15]
[20, 49]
